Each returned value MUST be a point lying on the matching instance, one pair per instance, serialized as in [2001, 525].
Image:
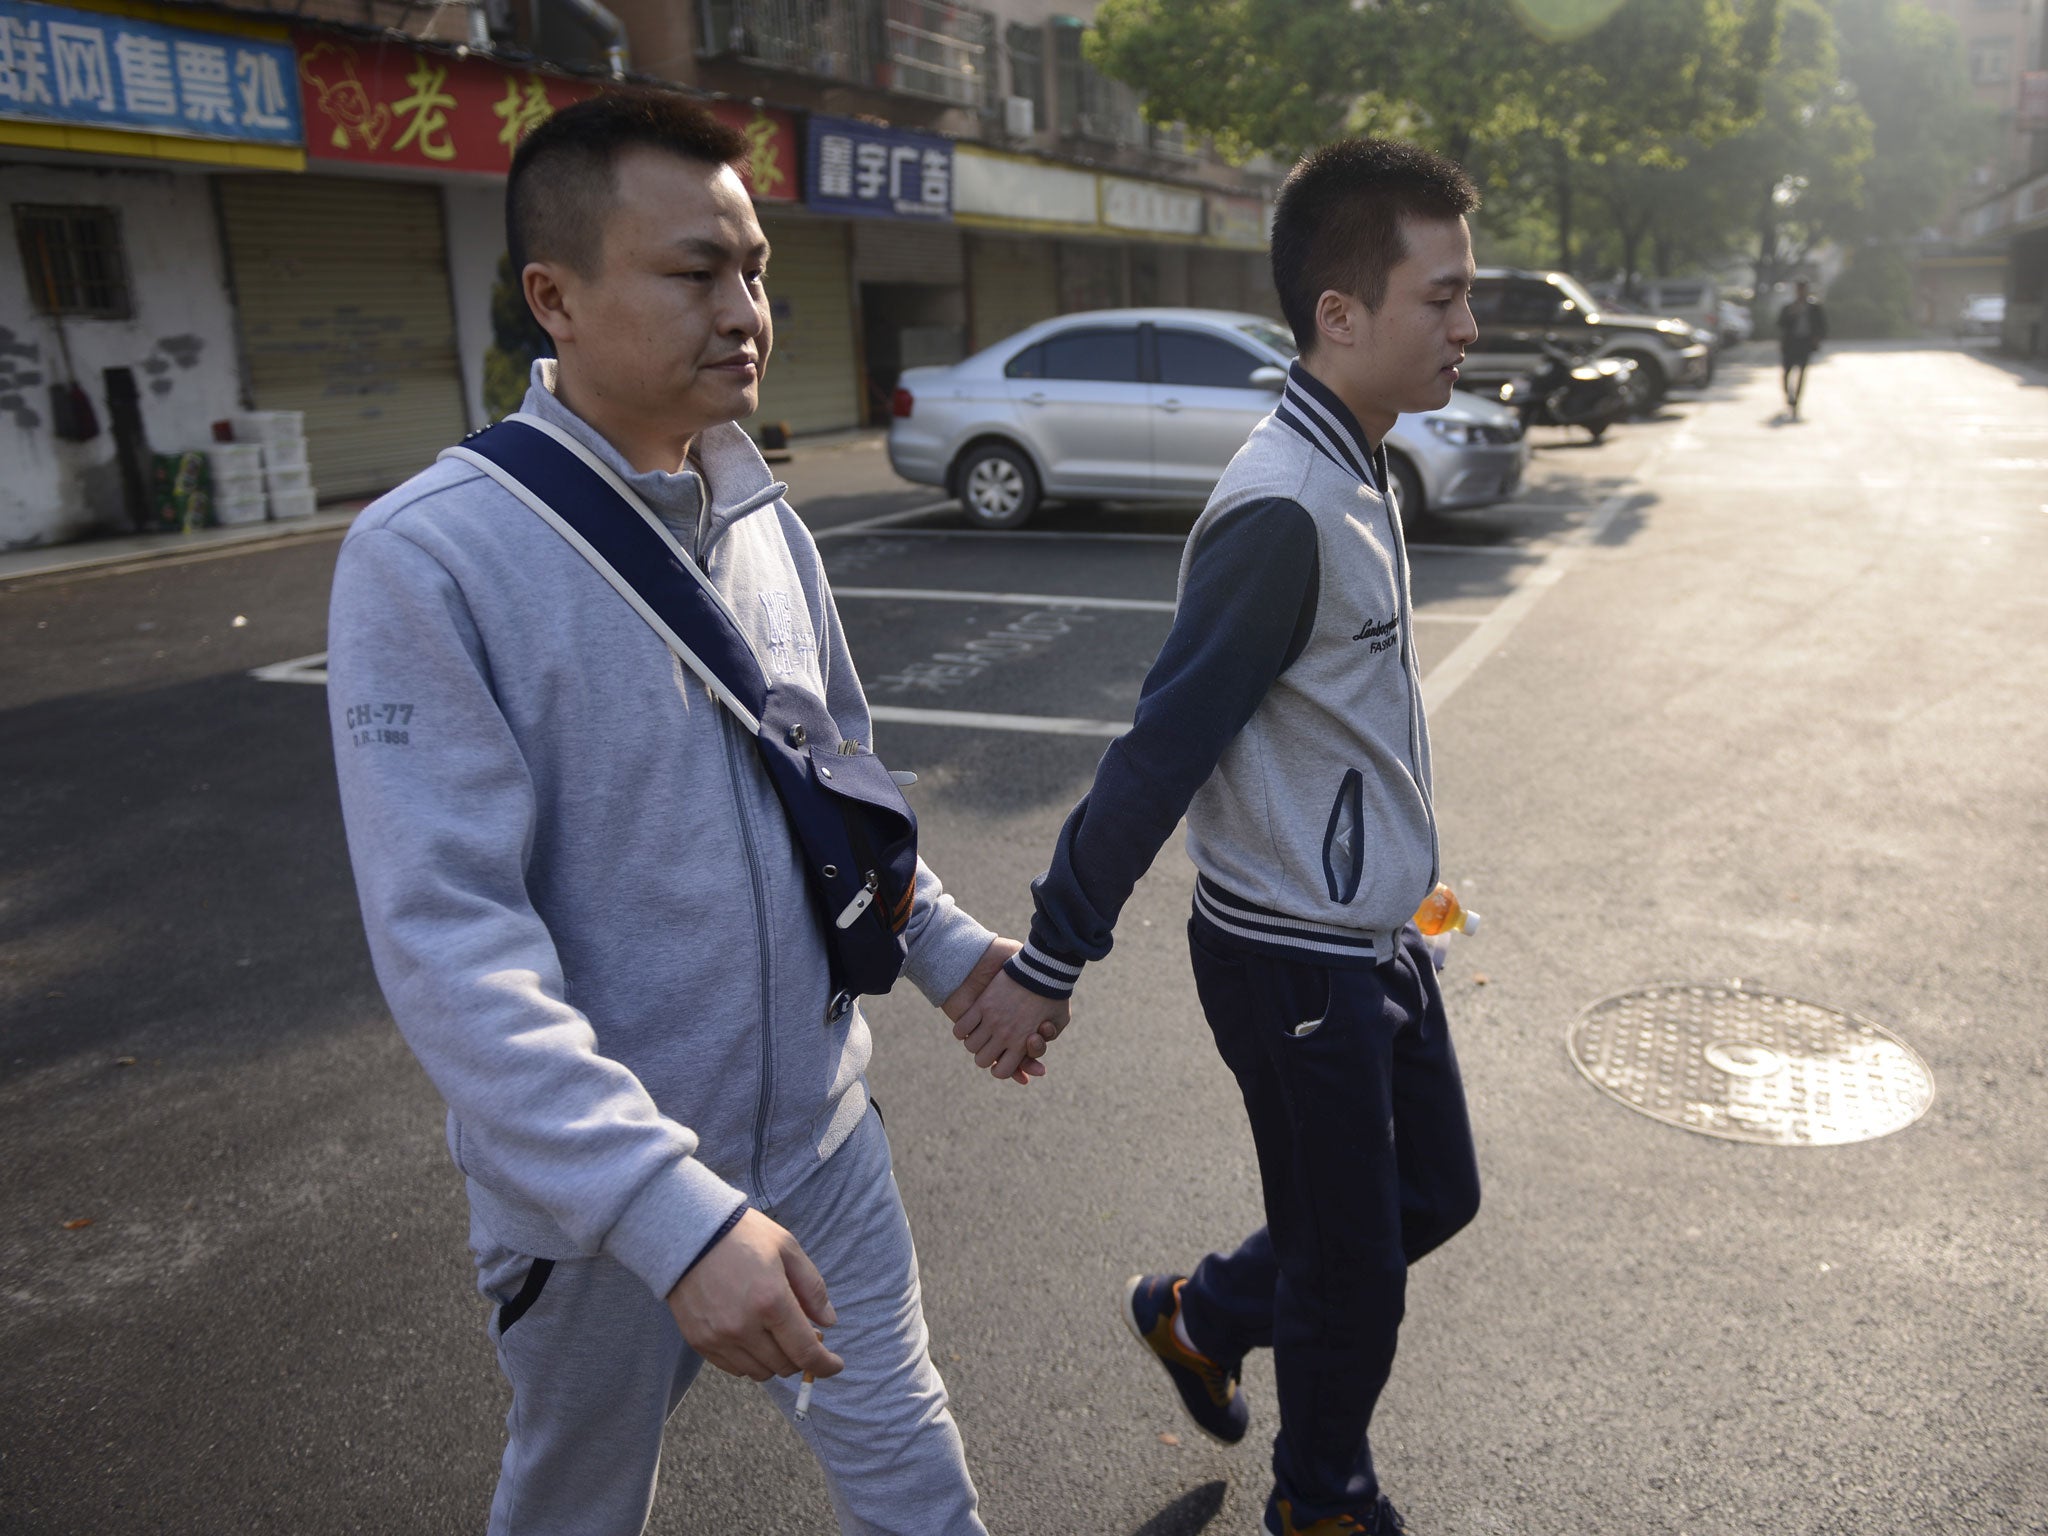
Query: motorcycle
[1570, 392]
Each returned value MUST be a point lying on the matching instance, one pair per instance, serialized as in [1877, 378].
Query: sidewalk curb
[143, 549]
[138, 549]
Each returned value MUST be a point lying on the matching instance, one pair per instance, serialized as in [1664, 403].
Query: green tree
[1907, 69]
[516, 340]
[1464, 75]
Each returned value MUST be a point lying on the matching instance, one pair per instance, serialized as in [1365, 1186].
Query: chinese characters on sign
[1148, 207]
[770, 169]
[1239, 221]
[859, 168]
[79, 67]
[389, 104]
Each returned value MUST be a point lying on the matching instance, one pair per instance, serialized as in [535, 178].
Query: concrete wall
[475, 220]
[180, 342]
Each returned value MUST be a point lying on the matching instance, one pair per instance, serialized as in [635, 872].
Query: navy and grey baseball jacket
[1283, 718]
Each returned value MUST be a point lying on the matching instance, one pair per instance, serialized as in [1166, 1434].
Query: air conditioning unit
[1020, 117]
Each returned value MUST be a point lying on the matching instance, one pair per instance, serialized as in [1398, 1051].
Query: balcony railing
[942, 51]
[836, 39]
[929, 48]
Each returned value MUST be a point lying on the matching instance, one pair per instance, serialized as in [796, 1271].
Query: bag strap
[603, 519]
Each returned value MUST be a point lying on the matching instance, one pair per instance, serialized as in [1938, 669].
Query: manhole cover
[1750, 1066]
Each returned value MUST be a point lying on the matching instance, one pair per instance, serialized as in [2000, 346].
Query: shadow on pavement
[2028, 374]
[1189, 1513]
[1627, 522]
[184, 888]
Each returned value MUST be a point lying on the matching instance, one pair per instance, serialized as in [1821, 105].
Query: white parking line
[300, 669]
[1020, 599]
[1499, 551]
[1450, 674]
[980, 534]
[1038, 725]
[885, 520]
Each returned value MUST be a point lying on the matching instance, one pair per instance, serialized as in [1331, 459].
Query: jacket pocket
[529, 1292]
[1344, 839]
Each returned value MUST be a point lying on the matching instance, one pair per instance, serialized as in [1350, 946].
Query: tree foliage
[1649, 133]
[1640, 88]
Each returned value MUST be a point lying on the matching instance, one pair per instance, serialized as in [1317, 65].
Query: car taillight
[900, 403]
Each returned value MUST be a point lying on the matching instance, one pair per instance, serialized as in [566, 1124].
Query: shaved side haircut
[565, 177]
[1337, 221]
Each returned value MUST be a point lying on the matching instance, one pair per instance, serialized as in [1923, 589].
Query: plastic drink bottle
[1442, 913]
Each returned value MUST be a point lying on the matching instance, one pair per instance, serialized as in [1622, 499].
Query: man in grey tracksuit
[1283, 718]
[585, 904]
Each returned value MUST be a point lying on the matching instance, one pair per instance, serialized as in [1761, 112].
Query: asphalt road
[1722, 697]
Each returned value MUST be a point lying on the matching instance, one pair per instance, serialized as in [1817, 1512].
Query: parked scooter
[1569, 392]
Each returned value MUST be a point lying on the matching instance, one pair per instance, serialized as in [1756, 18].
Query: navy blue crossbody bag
[856, 832]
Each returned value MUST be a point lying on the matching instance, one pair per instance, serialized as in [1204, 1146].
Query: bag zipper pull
[860, 903]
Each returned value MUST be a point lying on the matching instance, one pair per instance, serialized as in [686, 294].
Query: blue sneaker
[1385, 1520]
[1208, 1388]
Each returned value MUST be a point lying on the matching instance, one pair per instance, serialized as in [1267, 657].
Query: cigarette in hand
[803, 1391]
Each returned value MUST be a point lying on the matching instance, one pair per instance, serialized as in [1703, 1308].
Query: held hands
[1009, 1027]
[753, 1304]
[966, 1009]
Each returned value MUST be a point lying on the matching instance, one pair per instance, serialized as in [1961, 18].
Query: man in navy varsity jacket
[1284, 719]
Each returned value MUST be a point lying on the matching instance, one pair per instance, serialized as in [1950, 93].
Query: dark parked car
[1520, 313]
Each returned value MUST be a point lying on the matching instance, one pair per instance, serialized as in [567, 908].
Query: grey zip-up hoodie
[581, 893]
[1283, 718]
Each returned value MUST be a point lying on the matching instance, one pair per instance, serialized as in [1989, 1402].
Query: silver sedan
[1149, 405]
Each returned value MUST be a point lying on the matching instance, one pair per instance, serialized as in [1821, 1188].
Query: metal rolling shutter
[1216, 280]
[812, 379]
[1091, 276]
[904, 251]
[341, 290]
[1011, 284]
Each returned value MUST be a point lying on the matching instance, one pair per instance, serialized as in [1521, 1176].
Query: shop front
[1047, 239]
[117, 337]
[375, 292]
[905, 301]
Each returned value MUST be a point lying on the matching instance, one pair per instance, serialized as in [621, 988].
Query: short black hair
[1337, 221]
[565, 174]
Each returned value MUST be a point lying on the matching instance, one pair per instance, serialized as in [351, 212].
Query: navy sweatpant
[1365, 1153]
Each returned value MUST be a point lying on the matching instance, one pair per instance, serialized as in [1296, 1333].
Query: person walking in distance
[586, 903]
[1802, 327]
[1283, 718]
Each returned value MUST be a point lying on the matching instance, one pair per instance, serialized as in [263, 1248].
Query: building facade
[2002, 42]
[218, 211]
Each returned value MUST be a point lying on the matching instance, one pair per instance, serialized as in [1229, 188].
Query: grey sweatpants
[597, 1364]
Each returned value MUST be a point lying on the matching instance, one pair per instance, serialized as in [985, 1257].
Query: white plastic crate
[286, 482]
[246, 487]
[285, 504]
[269, 426]
[231, 510]
[234, 461]
[284, 453]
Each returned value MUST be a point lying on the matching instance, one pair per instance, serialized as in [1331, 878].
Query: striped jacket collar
[1312, 409]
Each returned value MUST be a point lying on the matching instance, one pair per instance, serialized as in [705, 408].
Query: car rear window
[1528, 304]
[1680, 295]
[1108, 355]
[1196, 361]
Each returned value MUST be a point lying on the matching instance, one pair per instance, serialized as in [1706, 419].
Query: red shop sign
[388, 104]
[771, 169]
[379, 103]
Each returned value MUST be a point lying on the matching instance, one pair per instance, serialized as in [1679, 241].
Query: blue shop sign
[892, 173]
[63, 66]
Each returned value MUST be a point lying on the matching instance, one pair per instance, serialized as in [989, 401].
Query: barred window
[72, 260]
[1027, 67]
